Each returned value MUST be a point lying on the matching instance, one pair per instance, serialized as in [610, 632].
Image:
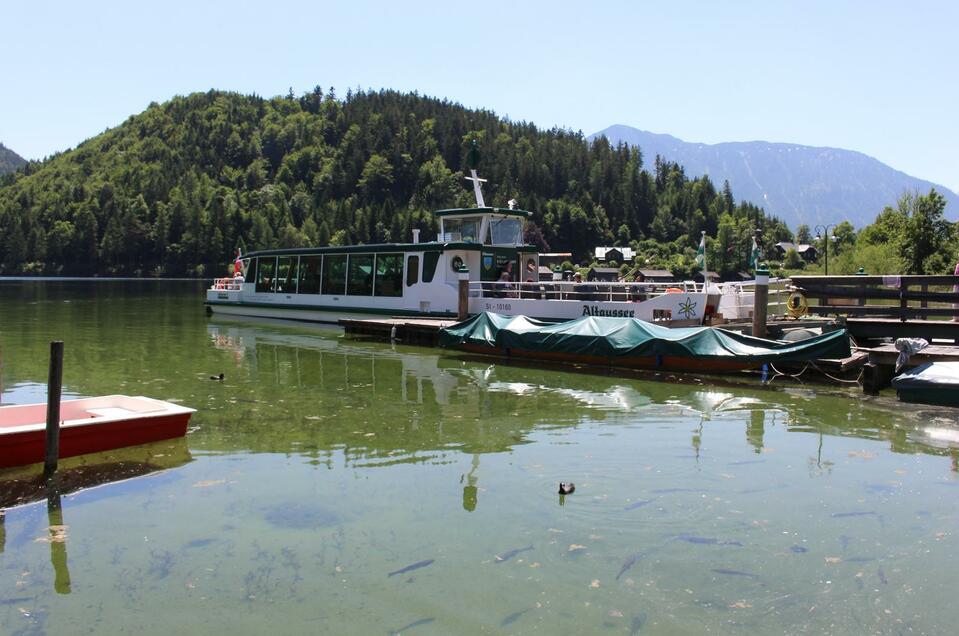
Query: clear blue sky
[877, 77]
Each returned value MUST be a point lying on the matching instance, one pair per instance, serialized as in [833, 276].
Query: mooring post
[464, 289]
[760, 302]
[54, 386]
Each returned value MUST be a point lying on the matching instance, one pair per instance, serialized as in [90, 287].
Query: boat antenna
[472, 160]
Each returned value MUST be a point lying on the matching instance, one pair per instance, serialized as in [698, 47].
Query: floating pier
[421, 331]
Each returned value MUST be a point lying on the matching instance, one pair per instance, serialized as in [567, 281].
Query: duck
[567, 489]
[218, 378]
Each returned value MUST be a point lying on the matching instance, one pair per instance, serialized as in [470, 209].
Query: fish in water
[410, 568]
[512, 618]
[688, 538]
[629, 562]
[638, 621]
[882, 577]
[798, 549]
[728, 572]
[638, 504]
[506, 556]
[419, 623]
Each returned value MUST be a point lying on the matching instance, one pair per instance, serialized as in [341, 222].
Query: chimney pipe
[416, 236]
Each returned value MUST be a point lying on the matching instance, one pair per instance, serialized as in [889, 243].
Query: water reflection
[81, 480]
[429, 401]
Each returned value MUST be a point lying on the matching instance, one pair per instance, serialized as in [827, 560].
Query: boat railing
[737, 298]
[567, 290]
[227, 284]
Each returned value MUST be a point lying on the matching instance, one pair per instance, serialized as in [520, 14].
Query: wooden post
[760, 302]
[464, 297]
[54, 386]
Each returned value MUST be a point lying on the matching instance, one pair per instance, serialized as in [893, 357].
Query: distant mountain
[9, 160]
[799, 184]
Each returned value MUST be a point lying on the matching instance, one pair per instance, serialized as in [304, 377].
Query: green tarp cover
[615, 337]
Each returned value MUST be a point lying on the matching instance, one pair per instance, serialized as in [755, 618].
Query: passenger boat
[632, 343]
[88, 425]
[485, 244]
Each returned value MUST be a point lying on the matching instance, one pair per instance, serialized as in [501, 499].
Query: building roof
[656, 273]
[627, 252]
[605, 270]
[785, 246]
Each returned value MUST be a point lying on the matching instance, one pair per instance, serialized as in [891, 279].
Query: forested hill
[9, 160]
[176, 189]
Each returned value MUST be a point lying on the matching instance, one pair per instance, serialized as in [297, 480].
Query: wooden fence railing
[902, 297]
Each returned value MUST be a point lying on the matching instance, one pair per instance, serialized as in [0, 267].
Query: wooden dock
[421, 331]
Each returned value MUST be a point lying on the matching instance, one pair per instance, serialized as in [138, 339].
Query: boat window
[506, 231]
[310, 267]
[466, 230]
[286, 274]
[334, 274]
[359, 281]
[265, 271]
[251, 269]
[389, 275]
[430, 259]
[412, 270]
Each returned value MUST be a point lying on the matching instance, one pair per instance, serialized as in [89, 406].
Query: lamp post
[822, 231]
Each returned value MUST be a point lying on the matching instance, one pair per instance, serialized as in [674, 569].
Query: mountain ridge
[9, 160]
[799, 183]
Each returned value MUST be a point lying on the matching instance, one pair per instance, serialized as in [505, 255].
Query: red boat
[88, 425]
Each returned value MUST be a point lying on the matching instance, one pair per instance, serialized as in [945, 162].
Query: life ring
[673, 290]
[796, 304]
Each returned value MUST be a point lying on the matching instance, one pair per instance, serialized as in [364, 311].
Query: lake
[333, 485]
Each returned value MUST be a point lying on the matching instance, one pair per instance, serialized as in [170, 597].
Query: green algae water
[331, 485]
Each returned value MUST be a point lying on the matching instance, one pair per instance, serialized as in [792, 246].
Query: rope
[858, 380]
[779, 373]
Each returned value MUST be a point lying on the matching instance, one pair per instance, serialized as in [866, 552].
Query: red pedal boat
[88, 425]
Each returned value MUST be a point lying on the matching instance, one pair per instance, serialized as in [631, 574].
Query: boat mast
[472, 159]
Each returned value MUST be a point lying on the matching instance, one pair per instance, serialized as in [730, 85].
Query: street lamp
[822, 232]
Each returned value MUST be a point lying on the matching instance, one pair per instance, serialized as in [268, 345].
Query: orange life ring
[673, 290]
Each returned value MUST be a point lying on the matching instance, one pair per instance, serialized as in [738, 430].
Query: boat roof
[432, 246]
[523, 214]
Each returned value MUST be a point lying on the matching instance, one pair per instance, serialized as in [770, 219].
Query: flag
[755, 255]
[237, 262]
[701, 253]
